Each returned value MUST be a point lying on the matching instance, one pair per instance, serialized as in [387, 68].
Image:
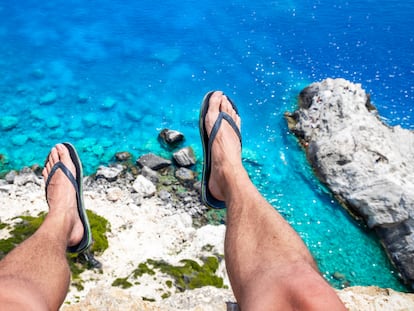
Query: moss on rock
[189, 275]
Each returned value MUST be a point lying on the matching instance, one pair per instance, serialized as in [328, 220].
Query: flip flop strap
[222, 115]
[66, 171]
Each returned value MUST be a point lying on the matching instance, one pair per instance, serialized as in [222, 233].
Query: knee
[298, 287]
[310, 291]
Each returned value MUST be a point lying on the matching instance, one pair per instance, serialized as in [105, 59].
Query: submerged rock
[170, 138]
[8, 123]
[365, 163]
[123, 156]
[48, 99]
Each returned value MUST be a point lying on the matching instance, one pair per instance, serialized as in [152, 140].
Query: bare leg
[269, 266]
[36, 275]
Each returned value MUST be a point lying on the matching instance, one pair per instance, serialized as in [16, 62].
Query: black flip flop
[77, 184]
[206, 196]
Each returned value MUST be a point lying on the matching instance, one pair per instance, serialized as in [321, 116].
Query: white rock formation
[367, 164]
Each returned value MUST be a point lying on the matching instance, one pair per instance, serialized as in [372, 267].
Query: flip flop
[77, 184]
[206, 196]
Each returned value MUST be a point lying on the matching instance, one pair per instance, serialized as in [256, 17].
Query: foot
[61, 195]
[226, 148]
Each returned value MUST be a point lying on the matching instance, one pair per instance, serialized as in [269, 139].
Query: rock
[38, 74]
[25, 176]
[150, 174]
[164, 195]
[374, 298]
[76, 134]
[134, 115]
[114, 194]
[365, 163]
[153, 161]
[111, 299]
[19, 140]
[185, 175]
[338, 276]
[185, 157]
[108, 103]
[144, 187]
[52, 122]
[170, 138]
[8, 123]
[10, 176]
[109, 173]
[82, 98]
[48, 99]
[123, 156]
[90, 120]
[197, 186]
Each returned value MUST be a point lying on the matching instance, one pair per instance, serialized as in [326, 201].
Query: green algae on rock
[189, 275]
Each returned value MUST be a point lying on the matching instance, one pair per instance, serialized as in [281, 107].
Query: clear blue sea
[109, 75]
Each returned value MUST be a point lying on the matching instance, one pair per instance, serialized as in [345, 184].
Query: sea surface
[109, 75]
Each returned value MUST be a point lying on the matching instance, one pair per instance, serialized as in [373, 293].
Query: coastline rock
[365, 163]
[123, 156]
[109, 173]
[25, 176]
[185, 175]
[358, 298]
[150, 174]
[153, 161]
[170, 138]
[144, 187]
[185, 157]
[10, 176]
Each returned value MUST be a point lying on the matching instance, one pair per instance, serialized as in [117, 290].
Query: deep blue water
[109, 75]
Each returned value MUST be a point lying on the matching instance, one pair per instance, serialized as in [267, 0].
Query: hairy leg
[36, 275]
[269, 266]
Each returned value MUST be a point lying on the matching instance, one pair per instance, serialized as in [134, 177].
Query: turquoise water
[109, 75]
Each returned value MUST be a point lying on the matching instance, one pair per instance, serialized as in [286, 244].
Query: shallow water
[109, 75]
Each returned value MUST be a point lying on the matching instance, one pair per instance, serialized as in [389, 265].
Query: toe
[227, 107]
[54, 156]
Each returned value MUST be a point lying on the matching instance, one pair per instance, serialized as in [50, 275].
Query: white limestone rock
[367, 164]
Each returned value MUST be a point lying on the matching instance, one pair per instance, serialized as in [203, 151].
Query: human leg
[36, 275]
[269, 266]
